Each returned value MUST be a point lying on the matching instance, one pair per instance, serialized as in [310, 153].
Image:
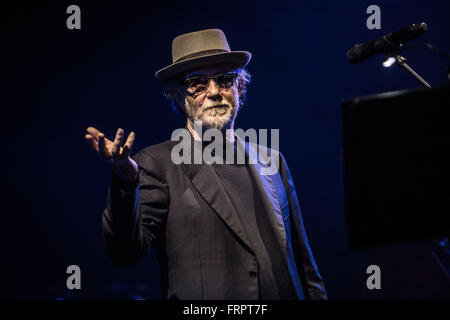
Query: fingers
[128, 145]
[103, 150]
[91, 142]
[108, 149]
[96, 133]
[93, 132]
[117, 143]
[125, 152]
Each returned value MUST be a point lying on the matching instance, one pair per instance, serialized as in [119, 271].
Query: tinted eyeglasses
[198, 85]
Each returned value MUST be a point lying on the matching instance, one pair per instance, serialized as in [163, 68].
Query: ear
[179, 97]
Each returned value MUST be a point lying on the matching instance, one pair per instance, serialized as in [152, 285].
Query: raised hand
[113, 152]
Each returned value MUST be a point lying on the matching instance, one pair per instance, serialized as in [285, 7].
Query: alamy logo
[74, 20]
[374, 20]
[215, 152]
[374, 280]
[74, 280]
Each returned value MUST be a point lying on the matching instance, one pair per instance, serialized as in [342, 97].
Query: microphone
[385, 44]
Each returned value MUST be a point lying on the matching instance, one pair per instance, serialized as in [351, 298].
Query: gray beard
[214, 118]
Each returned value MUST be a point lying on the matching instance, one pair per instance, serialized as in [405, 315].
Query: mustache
[211, 105]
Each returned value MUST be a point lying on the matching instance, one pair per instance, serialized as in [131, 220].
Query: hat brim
[237, 58]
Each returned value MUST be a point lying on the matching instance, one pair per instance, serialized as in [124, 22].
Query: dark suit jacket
[202, 248]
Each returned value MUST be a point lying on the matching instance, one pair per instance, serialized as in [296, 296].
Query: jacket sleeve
[312, 282]
[135, 213]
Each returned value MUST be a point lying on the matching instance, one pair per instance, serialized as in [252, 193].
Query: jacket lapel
[269, 194]
[207, 183]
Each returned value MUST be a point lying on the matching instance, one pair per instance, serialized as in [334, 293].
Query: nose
[213, 90]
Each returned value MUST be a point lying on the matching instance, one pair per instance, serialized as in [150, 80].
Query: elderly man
[220, 231]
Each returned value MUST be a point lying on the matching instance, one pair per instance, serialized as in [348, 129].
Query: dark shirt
[274, 279]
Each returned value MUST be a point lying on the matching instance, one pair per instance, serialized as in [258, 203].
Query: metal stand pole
[401, 62]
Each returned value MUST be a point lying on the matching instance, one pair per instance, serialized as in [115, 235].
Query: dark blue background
[59, 82]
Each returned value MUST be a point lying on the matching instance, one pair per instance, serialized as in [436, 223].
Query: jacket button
[252, 274]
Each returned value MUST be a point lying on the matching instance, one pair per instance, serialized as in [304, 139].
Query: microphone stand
[401, 62]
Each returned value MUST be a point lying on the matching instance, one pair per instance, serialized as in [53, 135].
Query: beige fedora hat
[201, 48]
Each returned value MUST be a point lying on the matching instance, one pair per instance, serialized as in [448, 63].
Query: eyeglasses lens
[199, 84]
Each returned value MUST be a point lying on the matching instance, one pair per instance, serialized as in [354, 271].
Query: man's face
[215, 102]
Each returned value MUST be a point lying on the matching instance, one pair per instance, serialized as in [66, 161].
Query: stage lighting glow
[389, 61]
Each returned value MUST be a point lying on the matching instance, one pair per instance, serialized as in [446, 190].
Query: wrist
[124, 173]
[122, 184]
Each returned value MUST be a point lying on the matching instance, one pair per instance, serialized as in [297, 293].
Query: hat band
[200, 53]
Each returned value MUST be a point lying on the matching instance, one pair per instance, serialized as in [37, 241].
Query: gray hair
[171, 92]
